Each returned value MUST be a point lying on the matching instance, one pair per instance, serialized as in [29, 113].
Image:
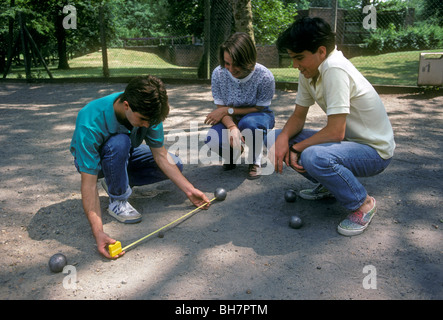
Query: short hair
[147, 95]
[242, 50]
[307, 34]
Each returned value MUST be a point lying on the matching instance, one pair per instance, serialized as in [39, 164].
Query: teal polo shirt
[96, 123]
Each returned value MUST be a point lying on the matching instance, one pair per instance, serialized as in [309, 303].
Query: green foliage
[158, 18]
[41, 17]
[391, 4]
[36, 18]
[270, 18]
[413, 38]
[185, 17]
[433, 11]
[139, 18]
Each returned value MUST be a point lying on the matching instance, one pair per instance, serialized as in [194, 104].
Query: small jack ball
[295, 222]
[290, 195]
[220, 194]
[57, 262]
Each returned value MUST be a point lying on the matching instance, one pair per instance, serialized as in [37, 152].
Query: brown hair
[242, 50]
[307, 34]
[147, 96]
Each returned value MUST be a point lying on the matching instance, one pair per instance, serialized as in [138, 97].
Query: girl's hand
[216, 116]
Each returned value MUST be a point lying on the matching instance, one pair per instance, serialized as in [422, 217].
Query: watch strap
[293, 150]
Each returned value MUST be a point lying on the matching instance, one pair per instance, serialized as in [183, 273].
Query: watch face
[231, 111]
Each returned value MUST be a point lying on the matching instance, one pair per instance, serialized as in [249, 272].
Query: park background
[84, 39]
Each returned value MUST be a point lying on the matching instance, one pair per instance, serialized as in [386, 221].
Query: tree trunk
[243, 17]
[220, 29]
[103, 42]
[60, 34]
[10, 34]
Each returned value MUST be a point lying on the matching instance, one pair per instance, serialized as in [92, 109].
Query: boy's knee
[251, 124]
[119, 143]
[312, 158]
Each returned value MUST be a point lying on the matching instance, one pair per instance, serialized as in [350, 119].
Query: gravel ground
[241, 248]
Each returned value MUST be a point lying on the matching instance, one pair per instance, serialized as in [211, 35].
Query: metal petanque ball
[290, 195]
[220, 194]
[295, 222]
[57, 262]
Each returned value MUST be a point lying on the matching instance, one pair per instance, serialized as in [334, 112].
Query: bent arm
[280, 150]
[91, 201]
[295, 123]
[221, 114]
[334, 131]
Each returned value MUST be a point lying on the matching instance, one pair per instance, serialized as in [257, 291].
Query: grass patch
[285, 74]
[124, 63]
[121, 62]
[398, 68]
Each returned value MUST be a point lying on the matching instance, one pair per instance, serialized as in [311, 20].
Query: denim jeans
[337, 165]
[124, 166]
[253, 126]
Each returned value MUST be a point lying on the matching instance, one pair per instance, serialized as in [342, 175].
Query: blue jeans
[124, 166]
[337, 165]
[253, 126]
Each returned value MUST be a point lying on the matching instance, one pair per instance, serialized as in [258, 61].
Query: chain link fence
[180, 39]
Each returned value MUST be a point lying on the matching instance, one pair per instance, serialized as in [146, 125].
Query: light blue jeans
[337, 165]
[254, 127]
[124, 166]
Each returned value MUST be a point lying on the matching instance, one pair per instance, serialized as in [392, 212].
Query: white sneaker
[124, 212]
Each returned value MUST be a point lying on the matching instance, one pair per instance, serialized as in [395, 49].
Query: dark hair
[147, 96]
[242, 50]
[307, 34]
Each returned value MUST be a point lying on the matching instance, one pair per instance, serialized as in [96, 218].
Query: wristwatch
[230, 111]
[293, 150]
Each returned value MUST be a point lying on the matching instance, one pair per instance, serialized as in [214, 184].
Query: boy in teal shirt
[107, 142]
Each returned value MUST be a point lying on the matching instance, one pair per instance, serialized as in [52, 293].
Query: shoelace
[121, 206]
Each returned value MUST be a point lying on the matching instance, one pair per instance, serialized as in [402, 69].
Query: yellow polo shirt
[341, 89]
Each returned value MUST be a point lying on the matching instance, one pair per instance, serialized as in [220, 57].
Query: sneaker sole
[350, 233]
[124, 220]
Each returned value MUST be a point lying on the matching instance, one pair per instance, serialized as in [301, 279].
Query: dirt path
[241, 248]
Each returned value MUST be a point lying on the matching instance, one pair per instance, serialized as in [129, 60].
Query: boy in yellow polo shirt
[358, 139]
